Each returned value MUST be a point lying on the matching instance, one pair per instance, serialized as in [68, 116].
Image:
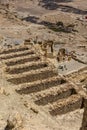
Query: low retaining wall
[38, 86]
[26, 67]
[22, 60]
[32, 76]
[66, 105]
[15, 49]
[17, 54]
[53, 96]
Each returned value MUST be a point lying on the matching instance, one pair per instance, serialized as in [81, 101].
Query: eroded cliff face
[84, 123]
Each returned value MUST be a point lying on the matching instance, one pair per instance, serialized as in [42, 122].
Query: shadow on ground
[55, 4]
[32, 19]
[52, 4]
[56, 27]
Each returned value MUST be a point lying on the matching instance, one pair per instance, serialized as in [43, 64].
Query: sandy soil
[25, 19]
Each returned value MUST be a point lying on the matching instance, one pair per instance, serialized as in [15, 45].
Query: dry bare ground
[33, 95]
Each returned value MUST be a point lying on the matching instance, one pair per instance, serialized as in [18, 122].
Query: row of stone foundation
[26, 69]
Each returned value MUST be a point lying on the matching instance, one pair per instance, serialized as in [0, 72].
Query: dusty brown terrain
[36, 91]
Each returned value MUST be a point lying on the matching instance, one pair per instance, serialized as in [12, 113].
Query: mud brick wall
[26, 67]
[32, 76]
[67, 105]
[84, 122]
[17, 54]
[40, 85]
[52, 96]
[22, 60]
[20, 48]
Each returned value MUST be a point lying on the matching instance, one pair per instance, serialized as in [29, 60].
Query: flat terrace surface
[71, 66]
[74, 64]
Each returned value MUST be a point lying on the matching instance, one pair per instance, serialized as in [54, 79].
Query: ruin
[33, 74]
[43, 65]
[47, 45]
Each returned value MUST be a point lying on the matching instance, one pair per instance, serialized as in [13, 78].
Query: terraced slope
[34, 75]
